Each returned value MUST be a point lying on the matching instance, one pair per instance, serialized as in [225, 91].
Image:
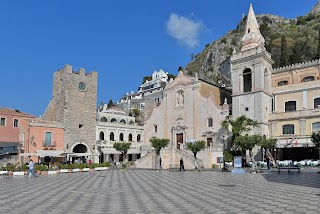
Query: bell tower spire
[252, 37]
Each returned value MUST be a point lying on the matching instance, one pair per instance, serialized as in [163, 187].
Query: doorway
[179, 140]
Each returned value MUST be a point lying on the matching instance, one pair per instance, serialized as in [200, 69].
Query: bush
[214, 166]
[10, 168]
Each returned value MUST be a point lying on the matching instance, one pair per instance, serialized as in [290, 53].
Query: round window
[82, 86]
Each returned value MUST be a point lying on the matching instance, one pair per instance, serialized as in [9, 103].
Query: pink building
[9, 133]
[23, 135]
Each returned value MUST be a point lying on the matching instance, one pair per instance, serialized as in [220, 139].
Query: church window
[101, 136]
[130, 137]
[121, 137]
[103, 119]
[210, 122]
[308, 78]
[247, 80]
[246, 109]
[123, 121]
[113, 120]
[316, 103]
[15, 123]
[112, 136]
[288, 129]
[155, 128]
[290, 106]
[283, 82]
[80, 126]
[131, 123]
[3, 121]
[316, 127]
[138, 138]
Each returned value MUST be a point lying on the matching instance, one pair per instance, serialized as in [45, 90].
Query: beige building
[192, 109]
[296, 109]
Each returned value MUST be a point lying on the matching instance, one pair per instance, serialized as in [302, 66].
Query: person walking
[181, 165]
[31, 169]
[268, 162]
[160, 163]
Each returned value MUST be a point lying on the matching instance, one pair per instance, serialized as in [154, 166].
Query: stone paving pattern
[148, 191]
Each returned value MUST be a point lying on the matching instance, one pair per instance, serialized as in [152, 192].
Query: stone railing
[297, 66]
[295, 114]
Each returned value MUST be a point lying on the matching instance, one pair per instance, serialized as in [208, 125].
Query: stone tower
[73, 103]
[251, 77]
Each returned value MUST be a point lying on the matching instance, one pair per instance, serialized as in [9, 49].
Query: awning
[134, 151]
[50, 153]
[29, 154]
[78, 154]
[109, 151]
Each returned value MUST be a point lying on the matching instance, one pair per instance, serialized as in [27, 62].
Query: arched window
[283, 82]
[210, 123]
[103, 119]
[316, 103]
[130, 137]
[308, 78]
[288, 129]
[316, 127]
[112, 136]
[138, 138]
[123, 121]
[290, 106]
[155, 128]
[113, 120]
[266, 80]
[131, 123]
[247, 80]
[101, 136]
[121, 137]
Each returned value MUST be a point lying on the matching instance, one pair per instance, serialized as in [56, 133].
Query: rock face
[301, 35]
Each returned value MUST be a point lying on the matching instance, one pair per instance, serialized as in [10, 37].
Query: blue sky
[121, 40]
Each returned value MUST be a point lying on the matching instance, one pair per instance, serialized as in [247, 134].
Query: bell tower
[251, 77]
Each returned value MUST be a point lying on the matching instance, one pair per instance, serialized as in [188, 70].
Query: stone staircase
[169, 157]
[147, 161]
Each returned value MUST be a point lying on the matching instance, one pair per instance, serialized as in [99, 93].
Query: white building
[113, 125]
[150, 90]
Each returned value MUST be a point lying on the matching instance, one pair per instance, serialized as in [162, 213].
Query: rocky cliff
[301, 33]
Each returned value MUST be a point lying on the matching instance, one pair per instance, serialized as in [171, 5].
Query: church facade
[191, 110]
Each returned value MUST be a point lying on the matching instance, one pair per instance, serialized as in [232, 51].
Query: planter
[64, 170]
[52, 172]
[69, 170]
[85, 170]
[25, 172]
[18, 173]
[75, 170]
[91, 170]
[101, 168]
[58, 171]
[44, 172]
[38, 172]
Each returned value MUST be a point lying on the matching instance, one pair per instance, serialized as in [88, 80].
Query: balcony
[292, 115]
[51, 146]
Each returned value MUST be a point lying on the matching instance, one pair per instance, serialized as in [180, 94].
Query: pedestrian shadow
[298, 179]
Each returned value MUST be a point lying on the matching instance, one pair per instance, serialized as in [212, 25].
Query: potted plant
[25, 168]
[44, 170]
[10, 169]
[64, 168]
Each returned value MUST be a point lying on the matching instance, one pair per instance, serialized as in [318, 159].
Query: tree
[158, 144]
[268, 144]
[196, 147]
[122, 147]
[239, 126]
[284, 57]
[110, 104]
[315, 138]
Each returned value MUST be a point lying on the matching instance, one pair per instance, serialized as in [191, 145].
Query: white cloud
[184, 30]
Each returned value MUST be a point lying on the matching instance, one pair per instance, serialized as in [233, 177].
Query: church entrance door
[179, 140]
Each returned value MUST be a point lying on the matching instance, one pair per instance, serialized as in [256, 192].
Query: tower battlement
[82, 72]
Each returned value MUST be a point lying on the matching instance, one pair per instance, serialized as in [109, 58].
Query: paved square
[147, 191]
